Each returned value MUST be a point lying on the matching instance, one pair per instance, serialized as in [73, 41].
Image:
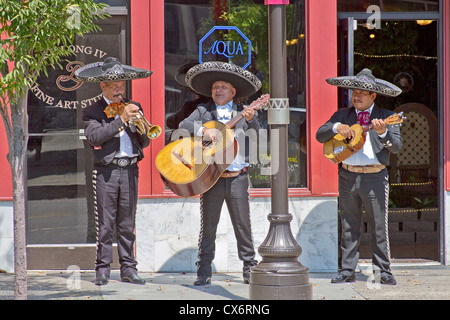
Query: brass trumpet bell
[140, 122]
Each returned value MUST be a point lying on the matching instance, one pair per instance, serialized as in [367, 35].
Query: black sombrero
[201, 77]
[180, 77]
[366, 81]
[110, 70]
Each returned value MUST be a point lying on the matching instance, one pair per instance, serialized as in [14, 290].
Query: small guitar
[338, 149]
[191, 166]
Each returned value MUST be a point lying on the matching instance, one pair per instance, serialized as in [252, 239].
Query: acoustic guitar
[191, 166]
[338, 148]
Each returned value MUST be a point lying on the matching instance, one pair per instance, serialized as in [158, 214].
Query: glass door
[404, 51]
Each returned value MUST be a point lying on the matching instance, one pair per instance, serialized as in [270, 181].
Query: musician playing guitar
[363, 177]
[224, 83]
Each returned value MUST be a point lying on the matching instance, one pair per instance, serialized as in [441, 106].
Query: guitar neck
[255, 105]
[395, 119]
[233, 122]
[370, 127]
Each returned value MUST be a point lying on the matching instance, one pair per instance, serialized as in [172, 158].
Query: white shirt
[126, 146]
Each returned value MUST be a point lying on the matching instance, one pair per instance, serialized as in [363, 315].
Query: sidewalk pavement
[422, 281]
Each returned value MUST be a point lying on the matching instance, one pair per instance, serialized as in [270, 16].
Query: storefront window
[60, 205]
[187, 24]
[388, 5]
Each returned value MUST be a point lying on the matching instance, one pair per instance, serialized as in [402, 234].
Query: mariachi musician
[225, 83]
[363, 177]
[117, 146]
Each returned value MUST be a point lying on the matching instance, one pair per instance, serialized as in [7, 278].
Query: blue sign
[239, 50]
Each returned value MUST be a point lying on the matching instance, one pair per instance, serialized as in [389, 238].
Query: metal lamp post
[279, 276]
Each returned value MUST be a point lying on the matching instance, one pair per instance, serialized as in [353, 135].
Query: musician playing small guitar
[351, 139]
[363, 176]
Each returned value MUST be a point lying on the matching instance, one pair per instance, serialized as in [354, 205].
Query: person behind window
[189, 106]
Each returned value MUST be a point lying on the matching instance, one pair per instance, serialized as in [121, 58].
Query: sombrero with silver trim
[201, 77]
[366, 81]
[110, 70]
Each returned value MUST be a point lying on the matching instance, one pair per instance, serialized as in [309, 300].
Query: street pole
[279, 276]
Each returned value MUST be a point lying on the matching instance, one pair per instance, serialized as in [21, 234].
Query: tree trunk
[17, 160]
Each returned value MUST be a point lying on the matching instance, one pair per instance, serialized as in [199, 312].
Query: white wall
[167, 234]
[6, 236]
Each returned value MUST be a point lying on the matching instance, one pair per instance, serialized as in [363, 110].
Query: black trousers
[115, 201]
[234, 191]
[368, 192]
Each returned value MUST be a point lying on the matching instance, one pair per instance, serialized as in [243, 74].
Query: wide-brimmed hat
[110, 70]
[366, 81]
[201, 77]
[180, 77]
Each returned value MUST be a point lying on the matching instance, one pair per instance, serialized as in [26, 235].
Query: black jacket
[102, 133]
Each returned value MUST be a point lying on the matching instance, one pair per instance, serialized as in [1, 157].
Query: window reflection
[59, 171]
[185, 26]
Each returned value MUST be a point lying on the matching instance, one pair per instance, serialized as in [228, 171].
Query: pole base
[280, 281]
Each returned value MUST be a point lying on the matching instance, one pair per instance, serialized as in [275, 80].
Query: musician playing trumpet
[117, 146]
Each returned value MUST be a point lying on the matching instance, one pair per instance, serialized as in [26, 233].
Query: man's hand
[248, 113]
[130, 110]
[379, 126]
[345, 131]
[212, 134]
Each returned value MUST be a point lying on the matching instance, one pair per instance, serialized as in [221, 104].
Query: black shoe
[343, 278]
[388, 279]
[246, 276]
[101, 279]
[134, 278]
[201, 281]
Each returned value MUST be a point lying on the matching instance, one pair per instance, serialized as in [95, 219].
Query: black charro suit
[364, 190]
[115, 188]
[234, 191]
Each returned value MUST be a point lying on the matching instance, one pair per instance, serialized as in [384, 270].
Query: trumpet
[141, 123]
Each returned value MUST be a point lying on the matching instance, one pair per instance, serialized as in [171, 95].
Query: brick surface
[401, 237]
[418, 226]
[405, 214]
[427, 237]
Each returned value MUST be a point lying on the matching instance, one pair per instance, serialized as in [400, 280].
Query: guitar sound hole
[347, 140]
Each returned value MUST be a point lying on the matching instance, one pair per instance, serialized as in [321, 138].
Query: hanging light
[424, 22]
